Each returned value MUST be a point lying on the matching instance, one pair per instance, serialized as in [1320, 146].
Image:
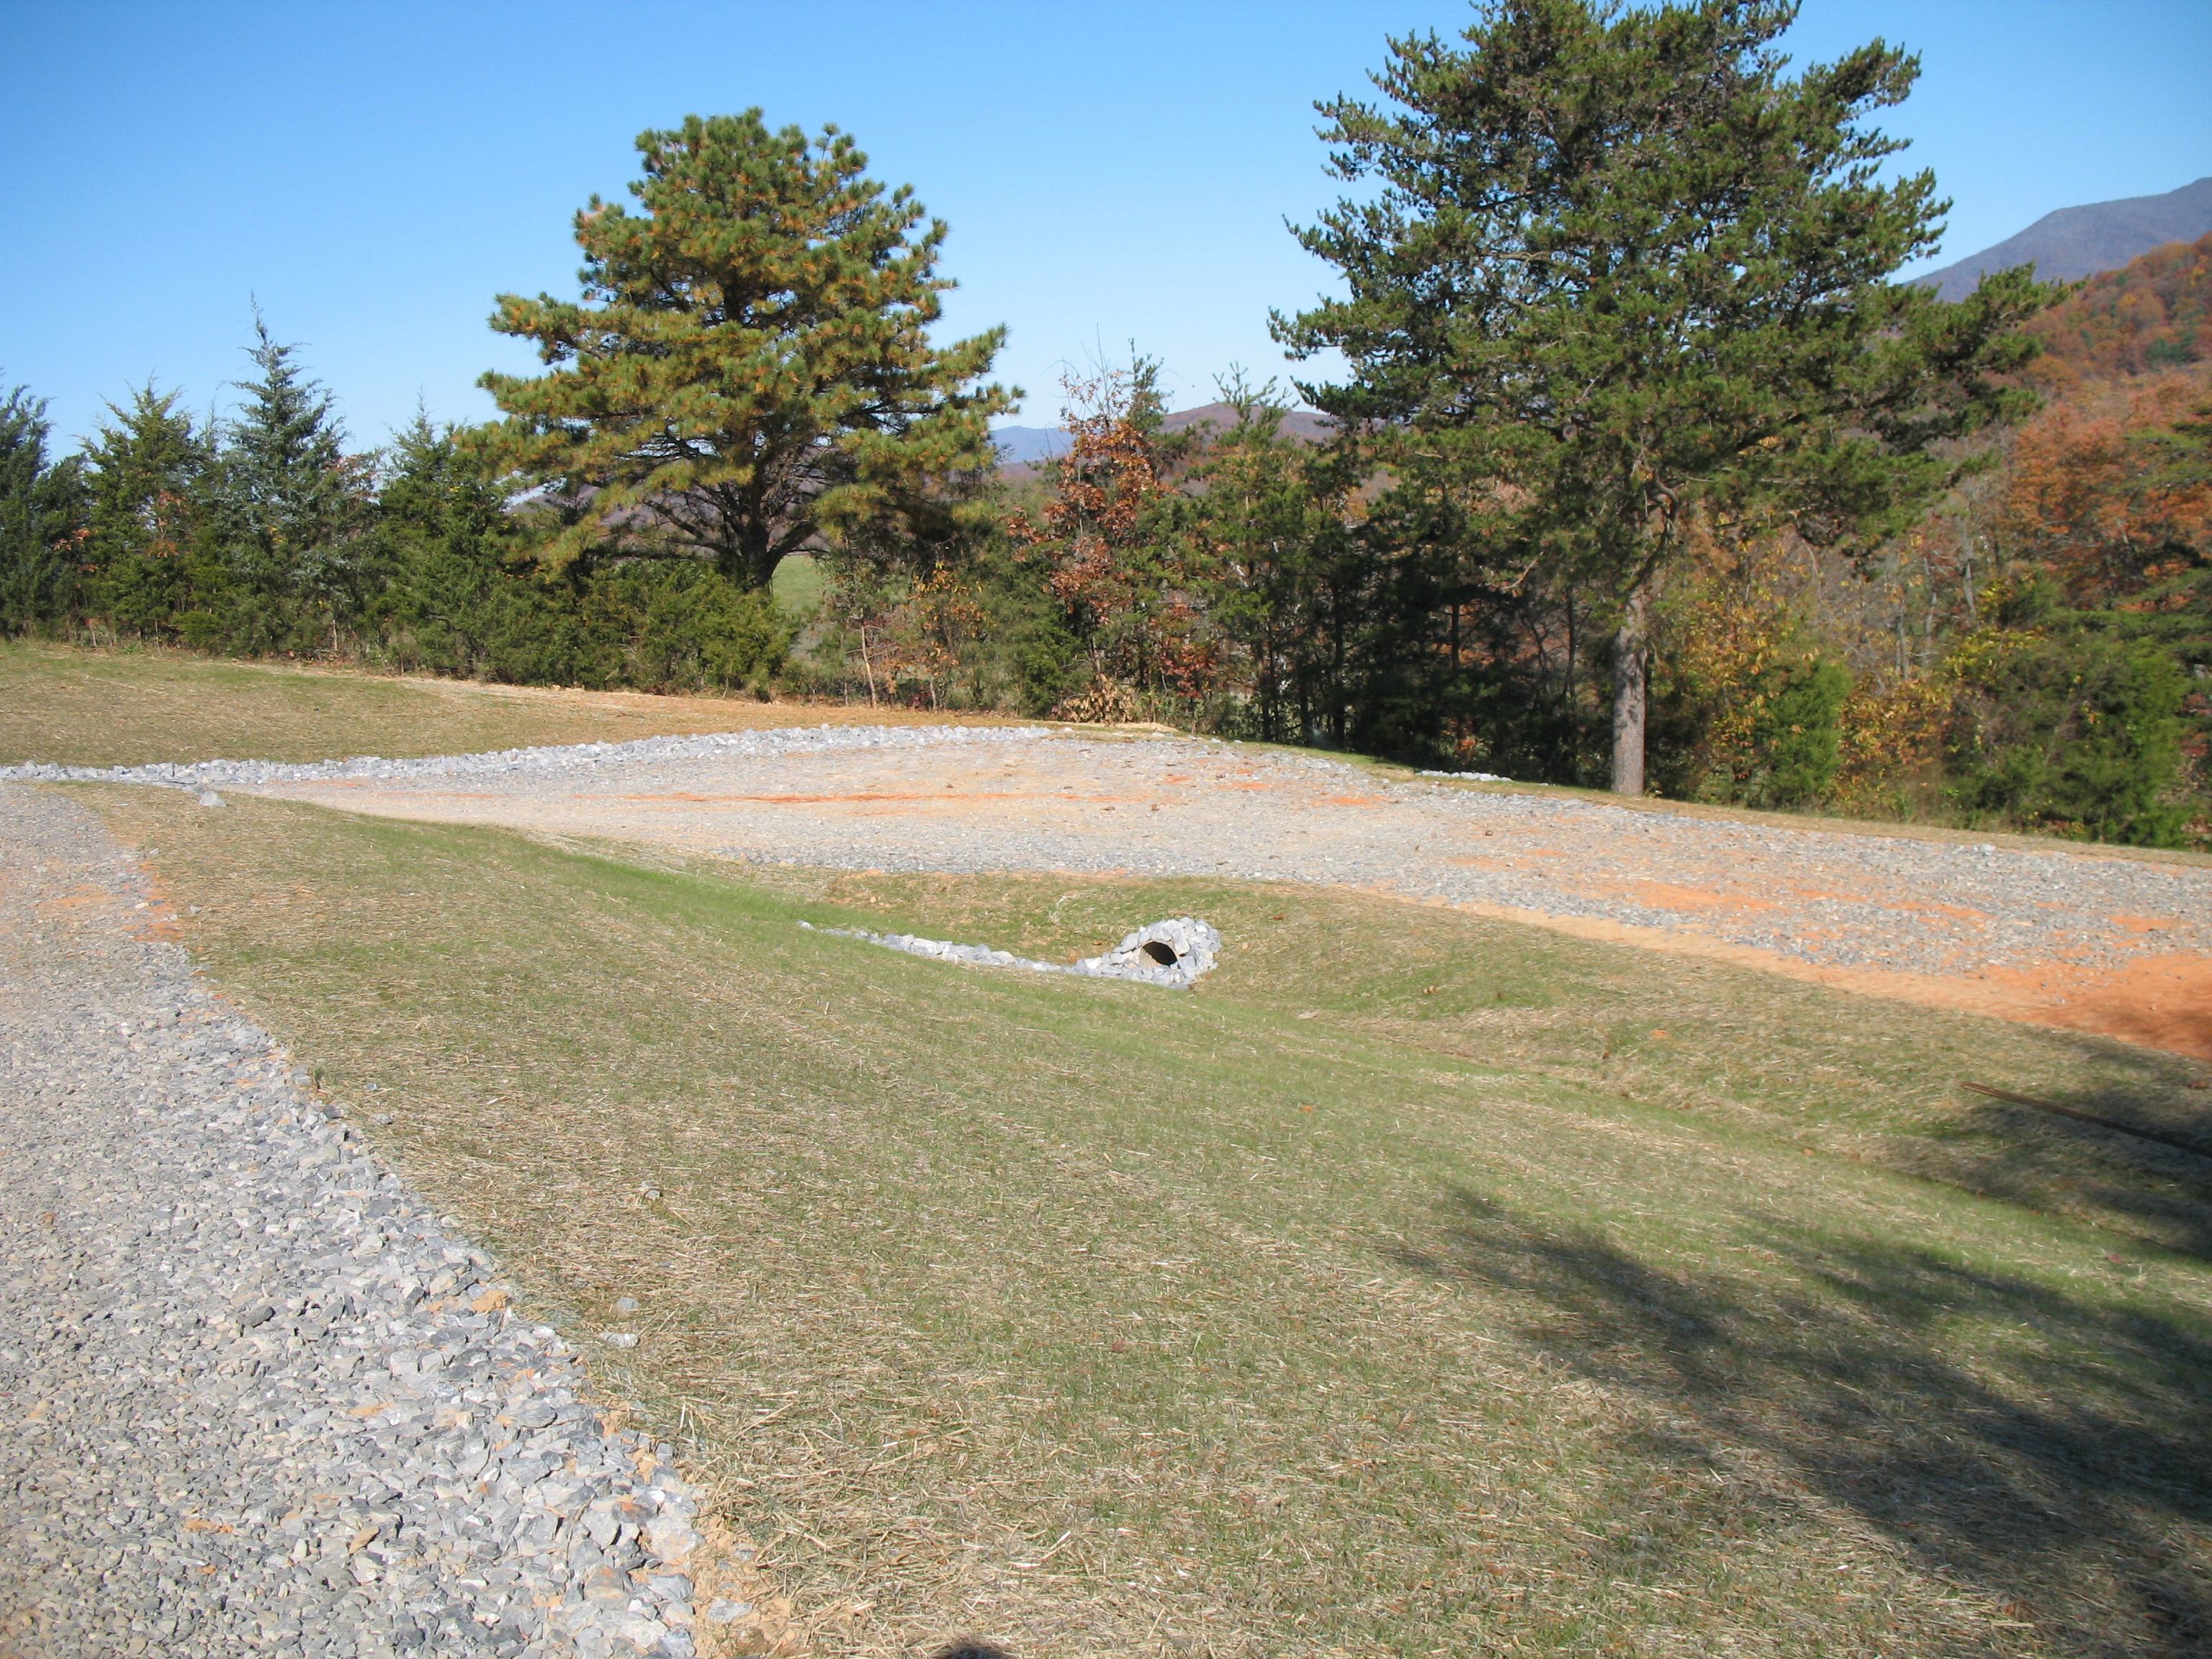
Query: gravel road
[256, 1397]
[2066, 935]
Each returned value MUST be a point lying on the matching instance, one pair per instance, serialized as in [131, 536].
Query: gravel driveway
[2076, 936]
[254, 1397]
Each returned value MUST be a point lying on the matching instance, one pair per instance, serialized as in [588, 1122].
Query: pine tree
[1258, 518]
[442, 535]
[40, 514]
[295, 497]
[1622, 269]
[749, 369]
[150, 471]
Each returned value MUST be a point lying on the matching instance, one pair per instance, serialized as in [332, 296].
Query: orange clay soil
[2157, 1002]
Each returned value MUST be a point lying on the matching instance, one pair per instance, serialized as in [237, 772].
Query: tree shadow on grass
[2145, 1170]
[2065, 1464]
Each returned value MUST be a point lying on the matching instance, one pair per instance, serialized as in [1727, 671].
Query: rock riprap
[1175, 953]
[255, 1397]
[204, 777]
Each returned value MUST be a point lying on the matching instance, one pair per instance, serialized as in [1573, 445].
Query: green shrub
[2069, 727]
[1797, 735]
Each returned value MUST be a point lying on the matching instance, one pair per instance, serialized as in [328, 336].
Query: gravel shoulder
[2076, 937]
[258, 1398]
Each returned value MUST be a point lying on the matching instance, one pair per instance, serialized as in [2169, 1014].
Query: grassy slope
[1097, 1320]
[124, 708]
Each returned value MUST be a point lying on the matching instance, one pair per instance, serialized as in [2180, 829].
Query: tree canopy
[40, 500]
[751, 367]
[1619, 268]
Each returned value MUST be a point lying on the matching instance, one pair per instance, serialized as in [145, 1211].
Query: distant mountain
[2081, 241]
[1024, 446]
[1301, 423]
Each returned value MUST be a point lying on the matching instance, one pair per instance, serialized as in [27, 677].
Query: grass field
[800, 586]
[124, 708]
[1418, 1285]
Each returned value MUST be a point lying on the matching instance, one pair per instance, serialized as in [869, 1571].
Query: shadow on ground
[2126, 1151]
[2053, 1449]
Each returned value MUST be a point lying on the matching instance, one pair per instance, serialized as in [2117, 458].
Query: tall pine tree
[1618, 268]
[750, 367]
[295, 498]
[149, 476]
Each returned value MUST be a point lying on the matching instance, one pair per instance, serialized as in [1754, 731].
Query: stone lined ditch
[258, 1396]
[1176, 952]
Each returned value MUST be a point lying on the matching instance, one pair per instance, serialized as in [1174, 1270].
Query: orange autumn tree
[1105, 536]
[2112, 493]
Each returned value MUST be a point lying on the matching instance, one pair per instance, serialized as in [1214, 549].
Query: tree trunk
[1630, 660]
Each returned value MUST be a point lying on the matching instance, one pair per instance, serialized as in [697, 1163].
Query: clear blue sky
[374, 173]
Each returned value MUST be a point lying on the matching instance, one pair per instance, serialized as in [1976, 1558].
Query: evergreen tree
[442, 535]
[41, 505]
[751, 367]
[1621, 270]
[295, 498]
[149, 477]
[1260, 517]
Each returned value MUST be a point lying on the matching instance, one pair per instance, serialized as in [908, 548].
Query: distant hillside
[2081, 242]
[2150, 314]
[1025, 446]
[1301, 423]
[1022, 447]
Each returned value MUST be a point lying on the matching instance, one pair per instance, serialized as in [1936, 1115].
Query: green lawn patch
[800, 585]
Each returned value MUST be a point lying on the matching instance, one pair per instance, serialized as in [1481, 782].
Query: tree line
[1644, 472]
[263, 534]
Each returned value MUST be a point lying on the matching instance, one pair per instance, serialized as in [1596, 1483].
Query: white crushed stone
[208, 775]
[1195, 947]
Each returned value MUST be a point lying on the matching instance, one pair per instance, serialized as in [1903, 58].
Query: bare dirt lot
[2111, 943]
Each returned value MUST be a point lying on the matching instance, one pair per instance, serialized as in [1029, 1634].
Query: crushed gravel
[257, 1398]
[1178, 952]
[539, 762]
[1009, 799]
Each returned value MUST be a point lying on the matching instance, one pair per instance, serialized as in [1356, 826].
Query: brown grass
[77, 707]
[1587, 1301]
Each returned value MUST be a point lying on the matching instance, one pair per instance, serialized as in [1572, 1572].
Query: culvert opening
[1161, 951]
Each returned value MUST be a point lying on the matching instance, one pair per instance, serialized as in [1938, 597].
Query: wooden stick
[2084, 1117]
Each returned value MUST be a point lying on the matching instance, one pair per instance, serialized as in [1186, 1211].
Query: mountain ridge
[1029, 446]
[2074, 242]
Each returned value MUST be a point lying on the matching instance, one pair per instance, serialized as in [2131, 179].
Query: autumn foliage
[1106, 552]
[2109, 489]
[2147, 316]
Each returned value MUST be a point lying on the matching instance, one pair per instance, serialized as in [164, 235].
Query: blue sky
[374, 173]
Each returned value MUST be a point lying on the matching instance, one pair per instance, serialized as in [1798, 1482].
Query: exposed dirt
[2078, 938]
